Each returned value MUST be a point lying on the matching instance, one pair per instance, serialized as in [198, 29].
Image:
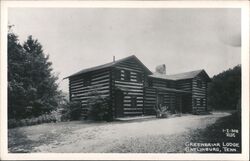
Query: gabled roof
[111, 64]
[180, 76]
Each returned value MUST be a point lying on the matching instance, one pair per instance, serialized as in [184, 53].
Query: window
[150, 83]
[172, 84]
[139, 77]
[133, 101]
[195, 102]
[118, 75]
[167, 84]
[199, 84]
[127, 75]
[203, 103]
[87, 81]
[160, 100]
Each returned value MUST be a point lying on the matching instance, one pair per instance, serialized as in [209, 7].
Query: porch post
[181, 104]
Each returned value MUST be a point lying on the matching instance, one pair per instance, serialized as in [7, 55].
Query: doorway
[119, 103]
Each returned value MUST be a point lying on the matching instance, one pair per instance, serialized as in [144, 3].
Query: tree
[16, 70]
[32, 87]
[225, 89]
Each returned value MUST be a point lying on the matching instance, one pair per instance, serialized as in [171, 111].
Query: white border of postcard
[244, 5]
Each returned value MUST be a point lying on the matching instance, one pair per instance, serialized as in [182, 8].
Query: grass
[25, 139]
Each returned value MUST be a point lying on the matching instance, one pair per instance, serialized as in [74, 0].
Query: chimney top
[161, 69]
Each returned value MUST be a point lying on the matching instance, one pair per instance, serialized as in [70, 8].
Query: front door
[119, 103]
[160, 100]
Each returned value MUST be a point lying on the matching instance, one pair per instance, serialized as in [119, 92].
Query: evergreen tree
[225, 89]
[32, 88]
[16, 73]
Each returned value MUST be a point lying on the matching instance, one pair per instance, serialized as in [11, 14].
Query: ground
[152, 135]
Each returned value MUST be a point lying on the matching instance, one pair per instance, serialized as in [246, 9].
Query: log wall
[199, 94]
[132, 88]
[81, 87]
[185, 85]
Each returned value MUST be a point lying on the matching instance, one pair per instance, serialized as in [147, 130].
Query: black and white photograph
[85, 79]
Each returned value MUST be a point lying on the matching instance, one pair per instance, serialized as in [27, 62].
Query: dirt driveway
[156, 135]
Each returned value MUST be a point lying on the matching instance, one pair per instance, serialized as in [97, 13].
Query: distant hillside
[224, 91]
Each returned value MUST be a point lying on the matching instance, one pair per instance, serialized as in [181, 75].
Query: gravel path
[143, 136]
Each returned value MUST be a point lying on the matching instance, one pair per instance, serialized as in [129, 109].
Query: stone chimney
[160, 69]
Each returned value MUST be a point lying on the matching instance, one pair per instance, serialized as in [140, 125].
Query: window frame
[118, 74]
[133, 101]
[87, 81]
[127, 75]
[195, 102]
[150, 83]
[199, 83]
[139, 77]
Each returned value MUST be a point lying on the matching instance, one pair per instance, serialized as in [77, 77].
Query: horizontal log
[130, 66]
[98, 74]
[87, 90]
[129, 69]
[91, 86]
[76, 80]
[129, 100]
[128, 83]
[100, 81]
[93, 82]
[89, 93]
[133, 109]
[100, 78]
[150, 92]
[135, 94]
[87, 97]
[133, 113]
[75, 84]
[149, 104]
[150, 96]
[149, 99]
[198, 95]
[128, 86]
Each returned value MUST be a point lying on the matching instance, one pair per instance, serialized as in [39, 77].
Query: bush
[54, 116]
[99, 109]
[12, 123]
[162, 111]
[71, 111]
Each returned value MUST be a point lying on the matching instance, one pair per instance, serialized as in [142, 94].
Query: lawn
[154, 135]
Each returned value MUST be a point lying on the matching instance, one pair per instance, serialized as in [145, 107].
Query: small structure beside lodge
[134, 90]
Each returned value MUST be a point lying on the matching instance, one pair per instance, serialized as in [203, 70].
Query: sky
[182, 39]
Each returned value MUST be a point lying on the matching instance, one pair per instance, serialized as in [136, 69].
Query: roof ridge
[179, 76]
[185, 72]
[109, 64]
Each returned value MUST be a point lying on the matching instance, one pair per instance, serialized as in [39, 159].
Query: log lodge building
[134, 90]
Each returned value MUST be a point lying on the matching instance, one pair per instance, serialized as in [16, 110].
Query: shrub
[162, 111]
[99, 108]
[12, 123]
[75, 110]
[71, 111]
[54, 116]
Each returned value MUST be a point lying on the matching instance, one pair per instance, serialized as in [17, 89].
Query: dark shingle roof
[111, 64]
[186, 75]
